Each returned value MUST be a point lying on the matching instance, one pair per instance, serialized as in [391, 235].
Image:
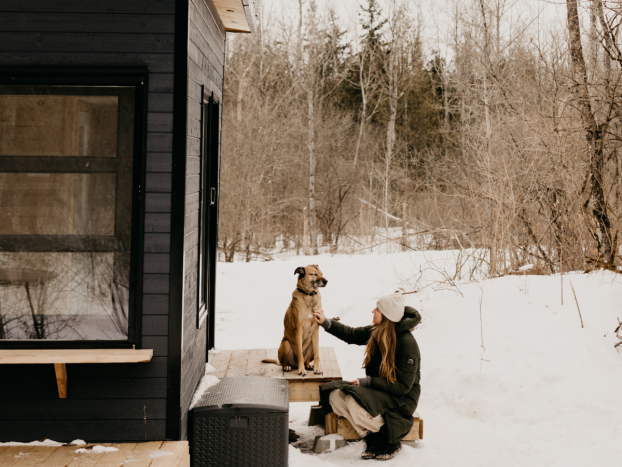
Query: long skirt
[346, 406]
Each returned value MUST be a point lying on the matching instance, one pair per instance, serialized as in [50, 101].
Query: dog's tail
[269, 360]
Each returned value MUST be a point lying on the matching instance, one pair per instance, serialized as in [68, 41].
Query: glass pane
[77, 296]
[66, 236]
[56, 125]
[57, 204]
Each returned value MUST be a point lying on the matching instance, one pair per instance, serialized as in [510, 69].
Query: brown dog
[301, 342]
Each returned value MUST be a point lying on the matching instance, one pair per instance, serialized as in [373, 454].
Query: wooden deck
[153, 454]
[245, 362]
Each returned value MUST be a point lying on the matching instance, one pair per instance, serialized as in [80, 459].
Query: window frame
[209, 176]
[100, 77]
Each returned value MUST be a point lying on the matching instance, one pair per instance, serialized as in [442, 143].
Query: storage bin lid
[247, 392]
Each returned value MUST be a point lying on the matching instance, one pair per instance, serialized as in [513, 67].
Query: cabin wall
[206, 58]
[105, 402]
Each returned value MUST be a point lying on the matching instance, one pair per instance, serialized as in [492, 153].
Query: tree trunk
[393, 97]
[593, 135]
[404, 227]
[307, 233]
[312, 164]
[363, 112]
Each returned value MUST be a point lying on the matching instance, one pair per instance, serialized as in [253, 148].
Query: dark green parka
[395, 401]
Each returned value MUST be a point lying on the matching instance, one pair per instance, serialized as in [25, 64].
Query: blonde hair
[383, 340]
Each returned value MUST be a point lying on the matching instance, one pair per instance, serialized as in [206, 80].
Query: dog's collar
[302, 291]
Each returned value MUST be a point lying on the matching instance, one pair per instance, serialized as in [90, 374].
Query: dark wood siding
[206, 57]
[105, 402]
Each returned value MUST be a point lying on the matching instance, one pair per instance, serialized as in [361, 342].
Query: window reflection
[62, 296]
[65, 222]
[57, 204]
[58, 126]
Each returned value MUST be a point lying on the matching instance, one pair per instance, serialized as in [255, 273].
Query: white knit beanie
[392, 306]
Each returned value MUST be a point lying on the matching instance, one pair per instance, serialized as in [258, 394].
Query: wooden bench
[341, 426]
[230, 363]
[60, 357]
[152, 454]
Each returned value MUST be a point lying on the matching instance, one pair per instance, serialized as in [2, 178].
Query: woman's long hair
[383, 340]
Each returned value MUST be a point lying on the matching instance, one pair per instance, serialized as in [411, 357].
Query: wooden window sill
[60, 357]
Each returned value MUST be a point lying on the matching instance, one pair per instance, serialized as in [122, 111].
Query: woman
[380, 405]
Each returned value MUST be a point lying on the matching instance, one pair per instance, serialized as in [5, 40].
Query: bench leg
[316, 415]
[330, 423]
[61, 379]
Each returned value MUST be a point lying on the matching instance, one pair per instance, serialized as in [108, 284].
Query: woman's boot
[388, 451]
[371, 441]
[385, 450]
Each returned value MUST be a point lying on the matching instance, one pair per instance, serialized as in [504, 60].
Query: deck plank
[221, 361]
[178, 449]
[330, 365]
[84, 459]
[254, 367]
[8, 457]
[272, 370]
[116, 458]
[140, 455]
[35, 457]
[238, 362]
[62, 457]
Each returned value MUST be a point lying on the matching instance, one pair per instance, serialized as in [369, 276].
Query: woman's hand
[319, 317]
[356, 382]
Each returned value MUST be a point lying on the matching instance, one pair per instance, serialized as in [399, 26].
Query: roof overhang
[237, 15]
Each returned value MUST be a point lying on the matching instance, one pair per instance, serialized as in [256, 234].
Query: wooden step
[341, 426]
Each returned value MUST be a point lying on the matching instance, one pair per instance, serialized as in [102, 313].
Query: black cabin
[110, 121]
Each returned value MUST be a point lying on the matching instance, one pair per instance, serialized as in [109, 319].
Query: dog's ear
[300, 270]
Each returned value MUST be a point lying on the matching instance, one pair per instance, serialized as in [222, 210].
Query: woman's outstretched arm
[357, 336]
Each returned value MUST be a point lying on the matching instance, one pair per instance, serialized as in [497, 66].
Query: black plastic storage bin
[242, 422]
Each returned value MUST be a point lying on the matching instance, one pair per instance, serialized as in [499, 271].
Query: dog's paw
[302, 372]
[309, 366]
[318, 371]
[287, 368]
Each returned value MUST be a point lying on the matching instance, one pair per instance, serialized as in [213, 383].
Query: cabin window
[66, 177]
[208, 211]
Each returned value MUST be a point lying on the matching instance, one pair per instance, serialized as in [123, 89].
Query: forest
[503, 143]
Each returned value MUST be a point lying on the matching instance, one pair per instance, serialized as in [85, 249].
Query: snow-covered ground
[541, 391]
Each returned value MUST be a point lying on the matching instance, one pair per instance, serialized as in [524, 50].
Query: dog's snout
[320, 282]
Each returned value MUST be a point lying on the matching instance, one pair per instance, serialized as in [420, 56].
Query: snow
[97, 449]
[526, 267]
[209, 368]
[45, 442]
[332, 439]
[206, 382]
[541, 390]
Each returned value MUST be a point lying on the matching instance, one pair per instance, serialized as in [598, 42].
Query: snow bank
[206, 382]
[539, 391]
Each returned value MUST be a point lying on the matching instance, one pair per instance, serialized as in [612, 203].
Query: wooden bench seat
[60, 357]
[341, 426]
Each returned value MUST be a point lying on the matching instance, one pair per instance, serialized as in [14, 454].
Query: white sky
[436, 16]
